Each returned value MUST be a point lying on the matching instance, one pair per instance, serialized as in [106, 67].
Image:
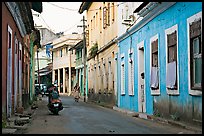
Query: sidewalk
[196, 128]
[18, 122]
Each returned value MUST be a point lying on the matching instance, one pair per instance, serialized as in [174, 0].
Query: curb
[157, 119]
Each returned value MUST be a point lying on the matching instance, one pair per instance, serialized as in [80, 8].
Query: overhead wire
[77, 9]
[63, 7]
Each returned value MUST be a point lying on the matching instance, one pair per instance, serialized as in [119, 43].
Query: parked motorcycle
[55, 104]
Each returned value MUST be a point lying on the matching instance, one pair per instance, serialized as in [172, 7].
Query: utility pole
[84, 54]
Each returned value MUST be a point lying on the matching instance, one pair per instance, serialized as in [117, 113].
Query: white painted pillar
[80, 79]
[69, 91]
[53, 76]
[77, 76]
[58, 81]
[67, 82]
[63, 80]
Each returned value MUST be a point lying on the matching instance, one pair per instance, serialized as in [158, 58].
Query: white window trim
[9, 72]
[169, 31]
[131, 73]
[154, 38]
[109, 75]
[122, 81]
[189, 21]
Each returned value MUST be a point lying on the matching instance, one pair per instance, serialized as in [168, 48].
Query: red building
[17, 27]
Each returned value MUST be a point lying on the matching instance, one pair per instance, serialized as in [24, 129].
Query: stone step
[22, 121]
[8, 130]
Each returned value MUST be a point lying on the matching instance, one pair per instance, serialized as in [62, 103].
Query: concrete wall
[187, 106]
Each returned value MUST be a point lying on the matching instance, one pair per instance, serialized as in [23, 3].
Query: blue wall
[177, 14]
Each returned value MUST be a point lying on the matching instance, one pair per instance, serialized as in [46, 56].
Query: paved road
[85, 118]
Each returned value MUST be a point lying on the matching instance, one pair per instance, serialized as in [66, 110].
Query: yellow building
[100, 36]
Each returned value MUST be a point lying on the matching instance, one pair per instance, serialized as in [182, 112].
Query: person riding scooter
[54, 103]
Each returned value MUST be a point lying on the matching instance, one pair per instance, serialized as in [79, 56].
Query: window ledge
[195, 92]
[172, 92]
[155, 92]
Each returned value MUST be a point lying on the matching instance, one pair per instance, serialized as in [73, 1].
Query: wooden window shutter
[172, 47]
[195, 29]
[104, 17]
[108, 20]
[87, 37]
[172, 39]
[155, 53]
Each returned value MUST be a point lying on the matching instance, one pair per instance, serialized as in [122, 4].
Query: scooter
[55, 104]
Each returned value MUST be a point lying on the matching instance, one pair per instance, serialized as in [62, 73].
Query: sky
[60, 17]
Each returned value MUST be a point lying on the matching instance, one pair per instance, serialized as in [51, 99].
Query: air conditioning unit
[127, 20]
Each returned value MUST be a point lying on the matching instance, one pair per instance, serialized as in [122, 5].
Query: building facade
[64, 62]
[79, 65]
[160, 62]
[101, 47]
[17, 27]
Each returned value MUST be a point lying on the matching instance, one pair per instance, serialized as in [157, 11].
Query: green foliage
[3, 120]
[175, 116]
[156, 113]
[93, 50]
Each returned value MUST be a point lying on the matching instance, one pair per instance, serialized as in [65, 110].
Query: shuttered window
[104, 17]
[122, 79]
[154, 45]
[195, 55]
[154, 69]
[171, 59]
[131, 76]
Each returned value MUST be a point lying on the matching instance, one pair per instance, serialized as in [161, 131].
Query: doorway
[141, 77]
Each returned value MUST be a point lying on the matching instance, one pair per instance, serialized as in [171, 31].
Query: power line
[45, 22]
[63, 7]
[71, 27]
[77, 9]
[110, 6]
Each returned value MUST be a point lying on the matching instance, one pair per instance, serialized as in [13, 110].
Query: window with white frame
[154, 65]
[131, 73]
[171, 59]
[61, 53]
[109, 74]
[122, 79]
[104, 75]
[195, 52]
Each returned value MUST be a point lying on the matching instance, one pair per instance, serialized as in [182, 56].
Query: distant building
[64, 62]
[44, 54]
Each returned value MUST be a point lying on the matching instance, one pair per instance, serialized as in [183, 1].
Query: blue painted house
[159, 62]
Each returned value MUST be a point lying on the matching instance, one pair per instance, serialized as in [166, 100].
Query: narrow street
[86, 118]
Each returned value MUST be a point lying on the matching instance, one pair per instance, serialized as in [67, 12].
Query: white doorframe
[15, 73]
[141, 82]
[20, 75]
[9, 73]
